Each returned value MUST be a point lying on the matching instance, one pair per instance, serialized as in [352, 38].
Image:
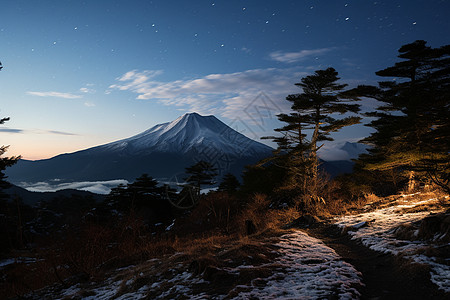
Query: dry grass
[217, 239]
[264, 218]
[208, 258]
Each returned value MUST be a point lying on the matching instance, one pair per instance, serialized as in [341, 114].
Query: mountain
[354, 149]
[337, 167]
[190, 132]
[342, 151]
[163, 152]
[337, 158]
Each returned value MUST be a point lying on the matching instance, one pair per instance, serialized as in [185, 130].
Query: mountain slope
[190, 132]
[163, 151]
[338, 158]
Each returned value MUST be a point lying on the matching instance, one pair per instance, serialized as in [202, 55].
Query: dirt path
[385, 276]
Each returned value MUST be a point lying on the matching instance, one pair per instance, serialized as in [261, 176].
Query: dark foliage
[229, 183]
[412, 137]
[145, 197]
[313, 111]
[4, 163]
[263, 179]
[202, 173]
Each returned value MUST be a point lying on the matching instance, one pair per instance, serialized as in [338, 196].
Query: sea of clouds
[98, 187]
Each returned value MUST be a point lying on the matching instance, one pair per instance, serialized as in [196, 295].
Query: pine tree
[229, 183]
[4, 163]
[312, 112]
[145, 185]
[202, 173]
[412, 134]
[143, 192]
[144, 197]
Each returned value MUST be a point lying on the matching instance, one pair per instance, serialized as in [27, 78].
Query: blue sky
[82, 73]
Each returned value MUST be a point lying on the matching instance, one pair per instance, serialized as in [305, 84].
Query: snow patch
[379, 235]
[308, 270]
[305, 269]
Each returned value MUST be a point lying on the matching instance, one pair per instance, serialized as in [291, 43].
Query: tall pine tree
[314, 112]
[412, 136]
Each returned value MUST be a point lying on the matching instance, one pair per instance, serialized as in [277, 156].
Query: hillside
[386, 248]
[33, 198]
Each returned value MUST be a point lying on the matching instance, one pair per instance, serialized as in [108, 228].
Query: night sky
[82, 73]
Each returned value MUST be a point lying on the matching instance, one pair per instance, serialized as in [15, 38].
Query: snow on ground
[17, 260]
[376, 230]
[124, 287]
[305, 269]
[7, 262]
[308, 269]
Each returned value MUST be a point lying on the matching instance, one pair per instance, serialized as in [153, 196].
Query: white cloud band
[55, 94]
[228, 93]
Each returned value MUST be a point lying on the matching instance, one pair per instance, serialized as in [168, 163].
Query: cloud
[229, 93]
[135, 79]
[11, 130]
[59, 132]
[98, 187]
[55, 94]
[292, 57]
[87, 90]
[35, 131]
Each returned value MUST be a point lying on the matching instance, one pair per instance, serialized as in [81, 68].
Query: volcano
[163, 152]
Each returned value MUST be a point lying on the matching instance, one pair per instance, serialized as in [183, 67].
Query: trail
[385, 276]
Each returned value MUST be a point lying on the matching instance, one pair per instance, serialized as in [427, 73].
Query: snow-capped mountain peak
[162, 151]
[190, 132]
